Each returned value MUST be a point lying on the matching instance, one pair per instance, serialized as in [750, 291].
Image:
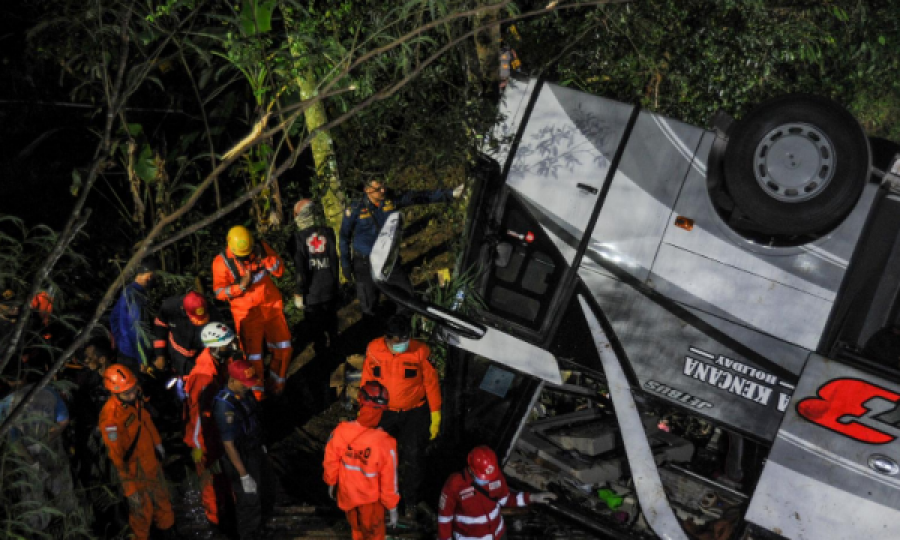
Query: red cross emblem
[316, 243]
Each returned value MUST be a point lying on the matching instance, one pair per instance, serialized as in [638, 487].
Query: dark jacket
[128, 322]
[363, 220]
[238, 422]
[316, 263]
[172, 328]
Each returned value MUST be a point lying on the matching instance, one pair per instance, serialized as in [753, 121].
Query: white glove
[458, 191]
[298, 301]
[394, 517]
[161, 451]
[331, 492]
[248, 483]
[543, 497]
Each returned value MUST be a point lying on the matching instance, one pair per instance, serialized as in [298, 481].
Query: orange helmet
[374, 394]
[483, 464]
[118, 378]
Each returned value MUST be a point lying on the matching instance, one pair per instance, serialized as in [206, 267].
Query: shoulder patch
[347, 212]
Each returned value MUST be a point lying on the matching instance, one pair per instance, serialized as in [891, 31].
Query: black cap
[147, 265]
[398, 326]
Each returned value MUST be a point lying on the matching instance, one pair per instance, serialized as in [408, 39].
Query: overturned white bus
[676, 317]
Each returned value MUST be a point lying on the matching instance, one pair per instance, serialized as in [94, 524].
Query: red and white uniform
[465, 512]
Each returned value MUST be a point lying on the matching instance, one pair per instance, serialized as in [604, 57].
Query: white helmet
[216, 334]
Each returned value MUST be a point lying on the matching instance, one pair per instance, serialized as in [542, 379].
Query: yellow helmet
[240, 241]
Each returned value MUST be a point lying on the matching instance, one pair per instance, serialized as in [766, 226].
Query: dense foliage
[690, 58]
[176, 119]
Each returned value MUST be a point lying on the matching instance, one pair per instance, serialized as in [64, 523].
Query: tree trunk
[328, 185]
[487, 45]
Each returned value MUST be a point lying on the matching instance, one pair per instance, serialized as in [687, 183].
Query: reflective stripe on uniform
[469, 520]
[357, 469]
[520, 499]
[178, 348]
[279, 380]
[224, 290]
[258, 276]
[502, 501]
[274, 267]
[445, 519]
[197, 433]
[394, 460]
[254, 357]
[279, 345]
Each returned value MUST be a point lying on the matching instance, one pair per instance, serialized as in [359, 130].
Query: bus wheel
[797, 164]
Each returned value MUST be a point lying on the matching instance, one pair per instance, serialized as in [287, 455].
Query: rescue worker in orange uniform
[241, 276]
[42, 304]
[361, 462]
[402, 365]
[133, 444]
[469, 508]
[208, 376]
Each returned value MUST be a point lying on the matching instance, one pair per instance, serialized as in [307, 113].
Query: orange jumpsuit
[42, 304]
[141, 473]
[258, 311]
[201, 386]
[363, 463]
[411, 380]
[408, 376]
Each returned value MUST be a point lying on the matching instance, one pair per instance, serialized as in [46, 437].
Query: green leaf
[256, 16]
[145, 166]
[75, 187]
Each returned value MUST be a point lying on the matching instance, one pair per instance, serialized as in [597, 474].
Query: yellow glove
[197, 454]
[435, 423]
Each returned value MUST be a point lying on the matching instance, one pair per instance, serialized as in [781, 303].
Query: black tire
[797, 164]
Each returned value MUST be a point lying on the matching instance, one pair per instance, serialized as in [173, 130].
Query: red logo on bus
[841, 404]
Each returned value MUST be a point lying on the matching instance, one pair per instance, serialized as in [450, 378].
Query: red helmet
[196, 309]
[374, 394]
[483, 463]
[118, 378]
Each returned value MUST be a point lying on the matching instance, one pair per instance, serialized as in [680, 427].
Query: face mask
[304, 220]
[480, 482]
[223, 353]
[400, 347]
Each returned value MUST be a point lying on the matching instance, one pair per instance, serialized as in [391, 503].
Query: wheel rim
[794, 162]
